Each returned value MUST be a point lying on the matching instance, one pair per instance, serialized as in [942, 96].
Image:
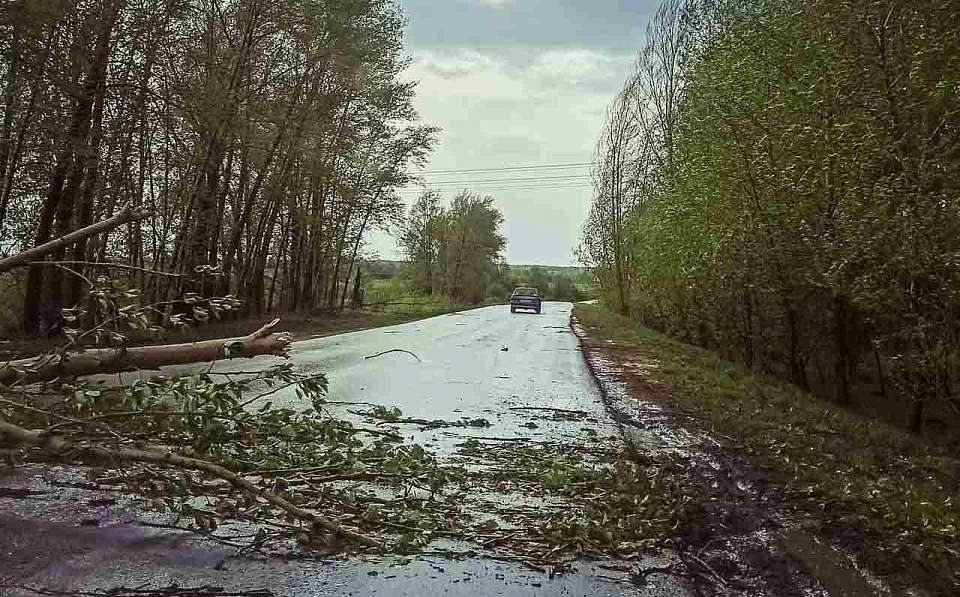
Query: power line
[504, 180]
[512, 188]
[530, 167]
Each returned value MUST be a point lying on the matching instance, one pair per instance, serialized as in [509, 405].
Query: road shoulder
[764, 489]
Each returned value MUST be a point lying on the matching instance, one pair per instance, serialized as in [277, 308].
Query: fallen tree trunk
[115, 360]
[94, 454]
[127, 214]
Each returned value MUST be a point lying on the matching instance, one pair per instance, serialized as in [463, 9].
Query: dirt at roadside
[735, 533]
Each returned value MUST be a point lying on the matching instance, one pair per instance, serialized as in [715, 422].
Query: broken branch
[115, 360]
[94, 453]
[104, 265]
[546, 408]
[127, 214]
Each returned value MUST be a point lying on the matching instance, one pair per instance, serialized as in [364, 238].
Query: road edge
[830, 568]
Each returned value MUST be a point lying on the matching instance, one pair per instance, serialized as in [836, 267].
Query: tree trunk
[74, 147]
[798, 372]
[116, 360]
[9, 101]
[85, 215]
[842, 346]
[916, 414]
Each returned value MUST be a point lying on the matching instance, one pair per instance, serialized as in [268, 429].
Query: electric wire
[485, 189]
[511, 168]
[506, 180]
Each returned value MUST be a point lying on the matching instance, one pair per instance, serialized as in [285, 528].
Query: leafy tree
[420, 239]
[268, 137]
[779, 180]
[454, 250]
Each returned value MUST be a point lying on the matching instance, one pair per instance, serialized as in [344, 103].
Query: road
[472, 364]
[477, 364]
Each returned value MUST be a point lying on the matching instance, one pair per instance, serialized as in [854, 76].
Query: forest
[264, 138]
[778, 181]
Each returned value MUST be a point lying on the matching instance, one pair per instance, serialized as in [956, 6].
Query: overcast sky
[520, 83]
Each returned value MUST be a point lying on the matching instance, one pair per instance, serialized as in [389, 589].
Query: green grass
[392, 296]
[900, 490]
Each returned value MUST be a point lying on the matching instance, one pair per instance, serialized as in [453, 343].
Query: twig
[205, 535]
[708, 568]
[643, 573]
[394, 436]
[499, 538]
[393, 350]
[492, 439]
[556, 410]
[108, 266]
[278, 388]
[62, 265]
[39, 411]
[347, 402]
[283, 471]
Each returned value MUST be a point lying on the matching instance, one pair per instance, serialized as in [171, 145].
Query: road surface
[474, 364]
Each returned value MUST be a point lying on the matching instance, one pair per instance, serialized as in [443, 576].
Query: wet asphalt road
[472, 364]
[475, 364]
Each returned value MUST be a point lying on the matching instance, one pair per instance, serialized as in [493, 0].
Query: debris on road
[403, 350]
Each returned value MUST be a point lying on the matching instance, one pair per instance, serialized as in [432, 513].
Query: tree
[268, 138]
[420, 238]
[456, 250]
[784, 189]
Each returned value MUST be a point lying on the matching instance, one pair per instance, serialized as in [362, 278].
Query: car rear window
[526, 292]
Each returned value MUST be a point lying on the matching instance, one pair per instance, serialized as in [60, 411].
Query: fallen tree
[160, 436]
[114, 360]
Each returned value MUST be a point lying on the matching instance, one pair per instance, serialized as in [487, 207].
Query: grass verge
[854, 471]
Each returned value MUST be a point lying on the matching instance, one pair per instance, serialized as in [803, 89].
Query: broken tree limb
[115, 360]
[97, 454]
[127, 214]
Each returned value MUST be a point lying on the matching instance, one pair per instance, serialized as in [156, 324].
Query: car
[525, 297]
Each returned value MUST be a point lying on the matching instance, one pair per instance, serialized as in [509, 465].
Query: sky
[516, 83]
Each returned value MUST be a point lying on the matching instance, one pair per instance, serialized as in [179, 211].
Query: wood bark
[116, 360]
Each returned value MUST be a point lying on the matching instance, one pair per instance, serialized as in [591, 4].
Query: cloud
[587, 70]
[495, 4]
[450, 66]
[512, 107]
[527, 73]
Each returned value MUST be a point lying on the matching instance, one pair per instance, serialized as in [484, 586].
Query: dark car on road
[525, 297]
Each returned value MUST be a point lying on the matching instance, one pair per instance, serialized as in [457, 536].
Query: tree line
[265, 136]
[781, 180]
[554, 283]
[454, 250]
